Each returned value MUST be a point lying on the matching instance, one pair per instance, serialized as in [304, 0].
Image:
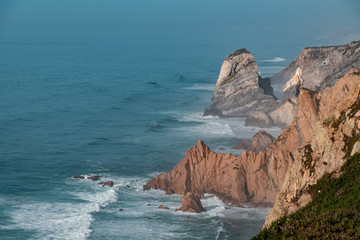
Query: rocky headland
[322, 135]
[241, 92]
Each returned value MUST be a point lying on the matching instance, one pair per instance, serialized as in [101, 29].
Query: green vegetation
[333, 214]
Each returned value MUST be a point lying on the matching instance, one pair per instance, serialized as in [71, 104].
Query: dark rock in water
[191, 203]
[221, 149]
[94, 178]
[148, 204]
[163, 207]
[121, 209]
[128, 186]
[108, 183]
[79, 177]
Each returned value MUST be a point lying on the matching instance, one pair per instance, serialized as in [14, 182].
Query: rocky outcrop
[321, 66]
[241, 92]
[191, 203]
[251, 177]
[260, 142]
[335, 136]
[239, 89]
[323, 132]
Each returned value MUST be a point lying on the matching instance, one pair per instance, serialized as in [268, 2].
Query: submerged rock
[163, 207]
[79, 177]
[191, 203]
[94, 178]
[108, 183]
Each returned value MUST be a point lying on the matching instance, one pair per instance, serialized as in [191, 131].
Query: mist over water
[118, 90]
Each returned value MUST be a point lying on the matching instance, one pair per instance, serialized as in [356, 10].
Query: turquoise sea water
[125, 112]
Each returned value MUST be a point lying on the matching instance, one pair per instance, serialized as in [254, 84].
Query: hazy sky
[179, 21]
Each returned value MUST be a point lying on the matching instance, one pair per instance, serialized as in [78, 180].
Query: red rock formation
[326, 126]
[261, 141]
[191, 203]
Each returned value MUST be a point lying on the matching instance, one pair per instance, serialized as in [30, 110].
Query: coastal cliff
[324, 133]
[321, 66]
[241, 92]
[254, 178]
[335, 137]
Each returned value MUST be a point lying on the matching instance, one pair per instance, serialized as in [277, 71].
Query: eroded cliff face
[321, 66]
[324, 132]
[239, 89]
[335, 136]
[241, 92]
[248, 178]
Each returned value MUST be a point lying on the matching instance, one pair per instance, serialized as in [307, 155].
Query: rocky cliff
[239, 89]
[334, 137]
[321, 66]
[324, 132]
[248, 178]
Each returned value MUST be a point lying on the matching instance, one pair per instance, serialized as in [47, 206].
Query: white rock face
[241, 92]
[295, 81]
[237, 90]
[322, 66]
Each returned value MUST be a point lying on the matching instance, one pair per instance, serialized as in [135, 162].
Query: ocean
[122, 111]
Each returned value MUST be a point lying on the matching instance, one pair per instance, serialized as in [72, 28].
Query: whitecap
[276, 59]
[63, 220]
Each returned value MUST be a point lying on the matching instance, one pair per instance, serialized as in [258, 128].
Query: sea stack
[191, 203]
[239, 89]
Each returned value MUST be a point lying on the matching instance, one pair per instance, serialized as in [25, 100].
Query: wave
[274, 60]
[64, 220]
[202, 87]
[215, 127]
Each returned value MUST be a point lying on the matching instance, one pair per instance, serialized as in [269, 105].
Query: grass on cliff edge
[333, 214]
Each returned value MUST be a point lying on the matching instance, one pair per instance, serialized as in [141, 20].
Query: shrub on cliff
[333, 214]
